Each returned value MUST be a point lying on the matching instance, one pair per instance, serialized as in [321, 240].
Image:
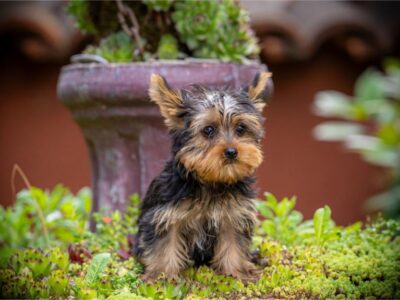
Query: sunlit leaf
[322, 218]
[369, 86]
[96, 267]
[336, 131]
[332, 104]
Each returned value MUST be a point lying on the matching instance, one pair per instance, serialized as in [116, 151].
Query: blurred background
[309, 46]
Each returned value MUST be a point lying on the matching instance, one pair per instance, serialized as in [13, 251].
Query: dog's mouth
[230, 161]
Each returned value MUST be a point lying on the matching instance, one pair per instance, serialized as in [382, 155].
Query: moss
[351, 262]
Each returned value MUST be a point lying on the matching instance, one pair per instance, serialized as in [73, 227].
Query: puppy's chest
[198, 216]
[211, 212]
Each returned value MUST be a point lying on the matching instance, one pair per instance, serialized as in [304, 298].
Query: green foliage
[79, 10]
[96, 267]
[158, 5]
[204, 29]
[38, 274]
[297, 259]
[215, 29]
[168, 47]
[371, 127]
[323, 225]
[282, 223]
[114, 230]
[34, 273]
[44, 218]
[97, 18]
[117, 47]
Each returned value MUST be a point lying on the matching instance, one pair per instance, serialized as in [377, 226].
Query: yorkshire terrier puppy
[200, 209]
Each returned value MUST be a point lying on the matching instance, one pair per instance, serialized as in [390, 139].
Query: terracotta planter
[126, 137]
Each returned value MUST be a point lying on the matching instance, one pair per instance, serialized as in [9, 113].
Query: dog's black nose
[230, 153]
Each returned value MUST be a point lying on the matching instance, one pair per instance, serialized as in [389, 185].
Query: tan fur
[256, 90]
[167, 99]
[211, 166]
[189, 214]
[207, 117]
[229, 216]
[189, 225]
[248, 119]
[206, 157]
[169, 256]
[231, 258]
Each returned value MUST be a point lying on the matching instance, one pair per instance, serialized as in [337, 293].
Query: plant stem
[133, 31]
[17, 170]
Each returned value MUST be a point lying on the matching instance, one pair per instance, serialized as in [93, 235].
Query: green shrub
[299, 259]
[370, 126]
[42, 219]
[167, 29]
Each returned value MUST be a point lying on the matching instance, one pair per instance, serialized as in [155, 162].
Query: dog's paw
[151, 277]
[248, 275]
[251, 275]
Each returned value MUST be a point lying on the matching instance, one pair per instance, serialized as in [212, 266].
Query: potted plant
[206, 42]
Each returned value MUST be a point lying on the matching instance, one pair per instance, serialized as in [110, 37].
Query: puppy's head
[216, 133]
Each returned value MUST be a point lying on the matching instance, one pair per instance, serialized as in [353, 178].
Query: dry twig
[133, 31]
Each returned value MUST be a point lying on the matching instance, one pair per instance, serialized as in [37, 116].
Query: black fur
[171, 186]
[176, 184]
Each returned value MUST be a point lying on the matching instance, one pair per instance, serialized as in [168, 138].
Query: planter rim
[156, 63]
[85, 84]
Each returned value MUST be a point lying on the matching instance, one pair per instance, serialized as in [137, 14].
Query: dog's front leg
[168, 255]
[231, 253]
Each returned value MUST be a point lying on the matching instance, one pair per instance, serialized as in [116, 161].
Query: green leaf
[322, 220]
[382, 157]
[295, 217]
[285, 207]
[78, 9]
[336, 131]
[40, 197]
[117, 47]
[332, 104]
[84, 198]
[390, 134]
[391, 64]
[269, 227]
[369, 86]
[264, 210]
[271, 201]
[168, 47]
[158, 5]
[98, 264]
[388, 200]
[55, 197]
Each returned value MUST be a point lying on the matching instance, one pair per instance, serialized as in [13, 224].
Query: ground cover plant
[48, 251]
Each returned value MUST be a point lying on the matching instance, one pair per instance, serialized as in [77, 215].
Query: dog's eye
[208, 131]
[240, 129]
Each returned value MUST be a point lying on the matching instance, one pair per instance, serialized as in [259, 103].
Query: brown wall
[38, 133]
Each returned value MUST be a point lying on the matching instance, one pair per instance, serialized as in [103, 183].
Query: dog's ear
[260, 89]
[168, 99]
